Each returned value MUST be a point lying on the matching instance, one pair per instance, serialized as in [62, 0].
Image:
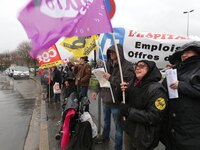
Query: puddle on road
[5, 85]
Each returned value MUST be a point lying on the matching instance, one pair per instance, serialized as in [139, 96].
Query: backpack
[82, 138]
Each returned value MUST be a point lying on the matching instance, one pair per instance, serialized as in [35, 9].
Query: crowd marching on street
[149, 115]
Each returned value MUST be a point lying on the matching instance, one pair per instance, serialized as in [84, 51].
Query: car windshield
[21, 68]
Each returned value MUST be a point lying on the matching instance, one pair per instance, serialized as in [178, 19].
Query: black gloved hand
[124, 109]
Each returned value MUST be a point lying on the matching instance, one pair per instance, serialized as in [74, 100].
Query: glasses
[140, 66]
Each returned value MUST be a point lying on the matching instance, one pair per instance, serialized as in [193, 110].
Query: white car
[21, 72]
[10, 71]
[7, 71]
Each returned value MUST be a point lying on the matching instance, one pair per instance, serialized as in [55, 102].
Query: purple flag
[52, 19]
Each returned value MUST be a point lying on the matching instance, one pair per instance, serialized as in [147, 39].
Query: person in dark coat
[144, 108]
[57, 80]
[183, 124]
[49, 83]
[69, 81]
[57, 75]
[111, 107]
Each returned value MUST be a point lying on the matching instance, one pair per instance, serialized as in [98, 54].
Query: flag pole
[49, 82]
[120, 66]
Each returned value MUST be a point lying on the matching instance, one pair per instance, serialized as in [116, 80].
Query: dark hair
[85, 58]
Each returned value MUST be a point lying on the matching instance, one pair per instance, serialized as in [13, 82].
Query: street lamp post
[188, 12]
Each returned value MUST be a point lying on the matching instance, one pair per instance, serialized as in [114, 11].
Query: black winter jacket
[57, 76]
[184, 112]
[147, 103]
[115, 80]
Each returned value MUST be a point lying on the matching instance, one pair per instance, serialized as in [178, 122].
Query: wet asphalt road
[14, 120]
[16, 106]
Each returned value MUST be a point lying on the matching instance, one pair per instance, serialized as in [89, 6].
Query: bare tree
[5, 60]
[2, 61]
[23, 53]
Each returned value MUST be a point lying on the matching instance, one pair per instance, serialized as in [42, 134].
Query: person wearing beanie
[183, 122]
[144, 108]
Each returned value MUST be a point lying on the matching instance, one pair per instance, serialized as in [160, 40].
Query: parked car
[7, 71]
[21, 72]
[31, 69]
[10, 71]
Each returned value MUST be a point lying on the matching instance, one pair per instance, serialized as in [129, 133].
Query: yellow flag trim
[51, 64]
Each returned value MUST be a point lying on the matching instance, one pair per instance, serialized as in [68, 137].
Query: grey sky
[160, 16]
[164, 16]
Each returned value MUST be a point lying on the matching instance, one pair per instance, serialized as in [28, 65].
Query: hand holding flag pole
[120, 69]
[120, 66]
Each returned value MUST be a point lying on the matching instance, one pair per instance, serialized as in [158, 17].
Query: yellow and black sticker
[160, 103]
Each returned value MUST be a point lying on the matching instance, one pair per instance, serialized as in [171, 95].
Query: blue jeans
[84, 90]
[107, 111]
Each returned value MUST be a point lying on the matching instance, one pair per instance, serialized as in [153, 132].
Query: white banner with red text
[144, 45]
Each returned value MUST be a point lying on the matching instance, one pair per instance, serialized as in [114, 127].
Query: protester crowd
[140, 106]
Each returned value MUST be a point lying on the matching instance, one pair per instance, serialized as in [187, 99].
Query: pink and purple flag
[51, 19]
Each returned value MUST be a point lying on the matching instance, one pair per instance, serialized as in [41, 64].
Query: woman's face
[141, 70]
[187, 54]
